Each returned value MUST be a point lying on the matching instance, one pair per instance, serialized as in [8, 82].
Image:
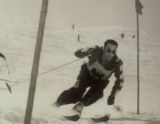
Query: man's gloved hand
[110, 100]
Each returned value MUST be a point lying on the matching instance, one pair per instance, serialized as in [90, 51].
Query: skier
[78, 38]
[103, 61]
[73, 26]
[122, 35]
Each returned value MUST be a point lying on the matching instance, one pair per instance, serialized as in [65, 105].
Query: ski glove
[111, 100]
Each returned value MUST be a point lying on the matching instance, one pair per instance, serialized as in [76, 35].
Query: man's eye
[114, 52]
[110, 51]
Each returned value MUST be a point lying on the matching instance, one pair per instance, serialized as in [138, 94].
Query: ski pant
[77, 93]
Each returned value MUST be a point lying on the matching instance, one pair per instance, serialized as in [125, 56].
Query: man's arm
[85, 52]
[118, 83]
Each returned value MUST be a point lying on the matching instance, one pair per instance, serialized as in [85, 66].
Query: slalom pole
[35, 66]
[138, 66]
[139, 7]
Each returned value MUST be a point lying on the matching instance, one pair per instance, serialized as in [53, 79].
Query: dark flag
[138, 6]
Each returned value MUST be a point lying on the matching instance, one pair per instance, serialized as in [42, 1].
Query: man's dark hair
[111, 41]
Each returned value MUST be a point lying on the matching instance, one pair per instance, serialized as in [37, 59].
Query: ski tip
[73, 117]
[104, 118]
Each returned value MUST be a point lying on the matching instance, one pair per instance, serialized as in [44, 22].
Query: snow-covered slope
[17, 44]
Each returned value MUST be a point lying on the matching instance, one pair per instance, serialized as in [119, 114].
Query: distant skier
[122, 35]
[133, 36]
[73, 26]
[1, 55]
[78, 38]
[103, 61]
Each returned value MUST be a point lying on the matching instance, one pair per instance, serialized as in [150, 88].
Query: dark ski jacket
[115, 66]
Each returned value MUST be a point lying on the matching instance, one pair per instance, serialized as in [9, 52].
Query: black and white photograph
[79, 62]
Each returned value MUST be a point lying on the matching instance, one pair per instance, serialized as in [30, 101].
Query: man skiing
[95, 74]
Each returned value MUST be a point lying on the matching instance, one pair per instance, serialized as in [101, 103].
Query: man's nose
[111, 54]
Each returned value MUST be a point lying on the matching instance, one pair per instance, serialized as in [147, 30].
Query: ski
[72, 117]
[104, 118]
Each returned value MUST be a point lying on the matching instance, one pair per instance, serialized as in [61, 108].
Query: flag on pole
[138, 6]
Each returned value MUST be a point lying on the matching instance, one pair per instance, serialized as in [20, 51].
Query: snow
[17, 44]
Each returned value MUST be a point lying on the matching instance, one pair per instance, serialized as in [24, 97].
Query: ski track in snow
[59, 45]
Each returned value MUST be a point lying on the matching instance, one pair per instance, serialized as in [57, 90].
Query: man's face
[109, 51]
